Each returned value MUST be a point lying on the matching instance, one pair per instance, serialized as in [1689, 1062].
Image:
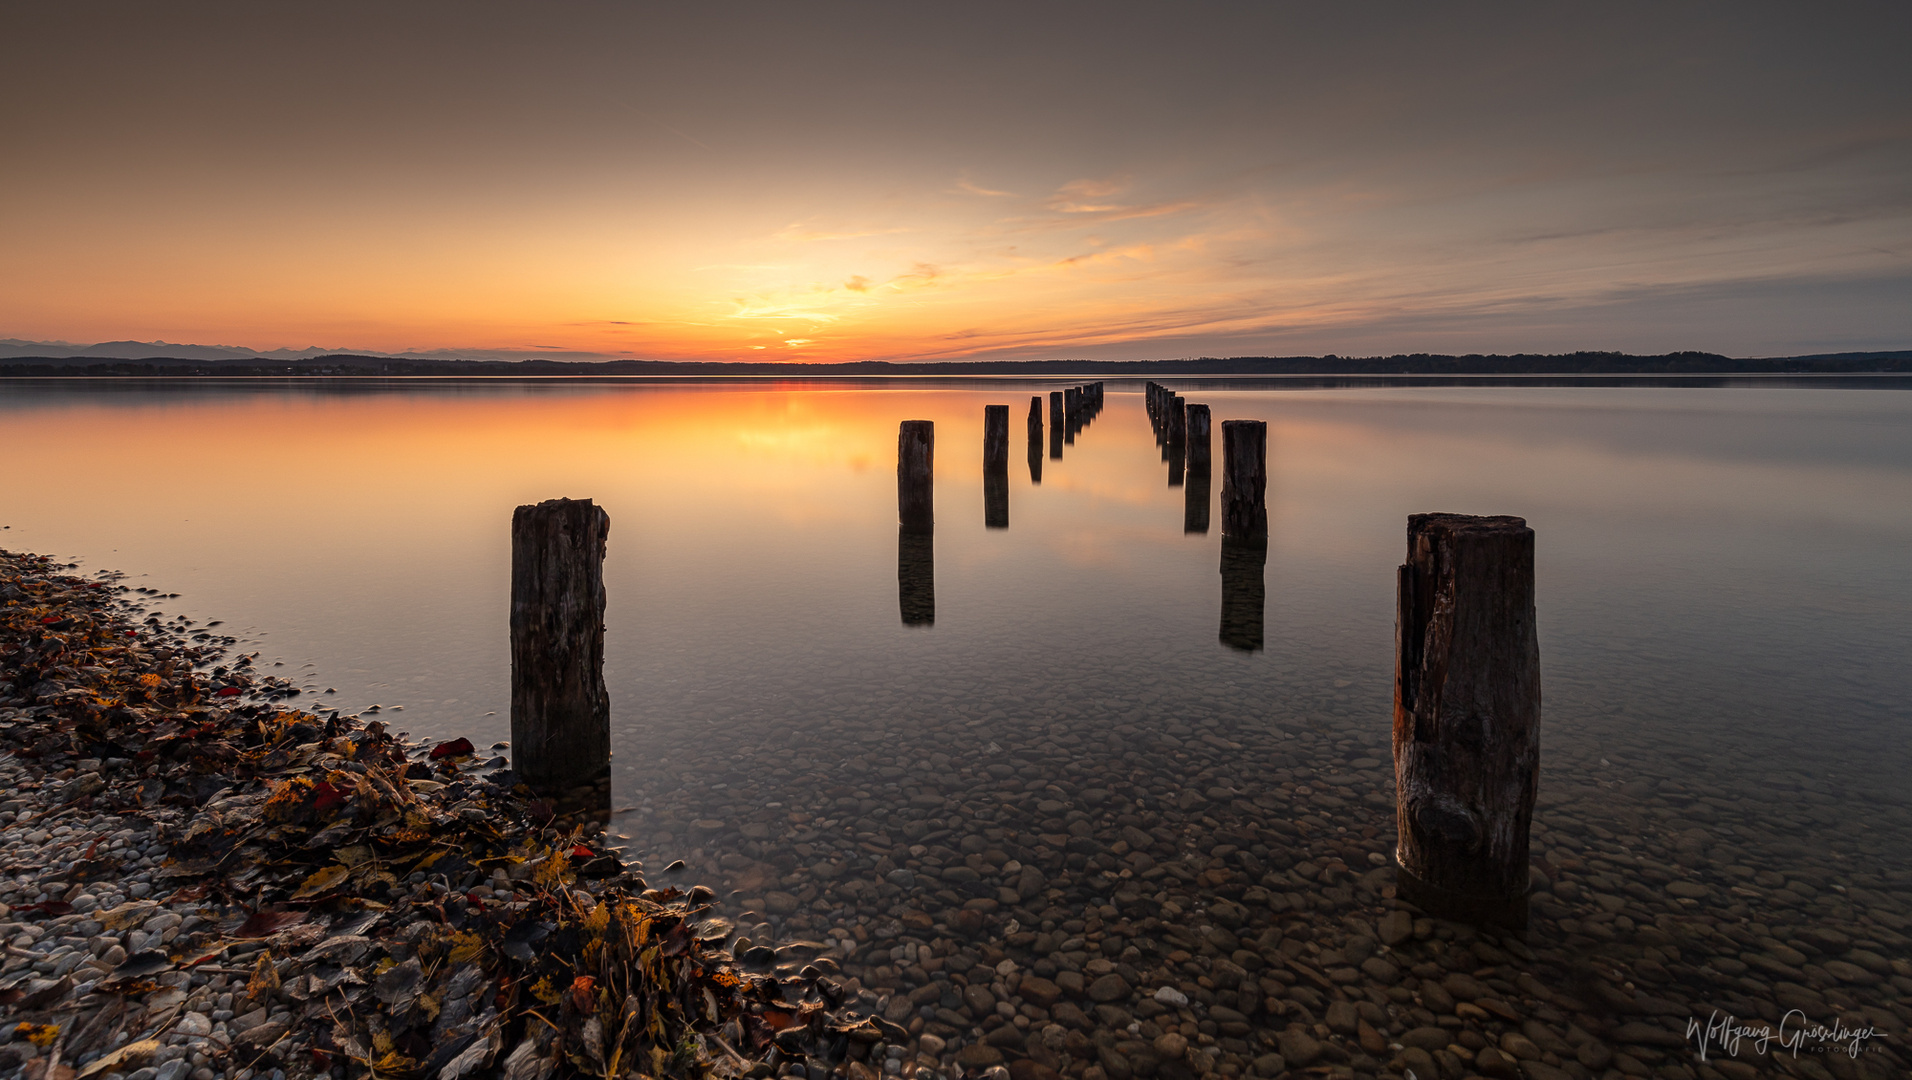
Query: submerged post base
[1498, 911]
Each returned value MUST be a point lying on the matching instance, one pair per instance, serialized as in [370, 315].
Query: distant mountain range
[159, 358]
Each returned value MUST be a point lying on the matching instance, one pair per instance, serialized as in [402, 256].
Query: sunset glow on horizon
[864, 183]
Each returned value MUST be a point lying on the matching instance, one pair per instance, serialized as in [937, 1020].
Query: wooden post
[1245, 480]
[915, 475]
[916, 522]
[996, 466]
[560, 710]
[1244, 593]
[1035, 439]
[1195, 419]
[996, 437]
[1071, 408]
[1466, 716]
[1056, 423]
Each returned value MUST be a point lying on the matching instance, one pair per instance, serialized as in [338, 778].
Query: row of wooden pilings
[1466, 678]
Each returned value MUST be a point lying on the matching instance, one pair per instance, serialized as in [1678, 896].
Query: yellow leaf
[265, 977]
[40, 1035]
[354, 855]
[553, 872]
[328, 878]
[464, 947]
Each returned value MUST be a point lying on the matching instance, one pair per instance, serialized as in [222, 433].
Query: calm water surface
[1723, 585]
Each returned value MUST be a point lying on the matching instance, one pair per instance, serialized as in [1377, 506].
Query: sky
[827, 182]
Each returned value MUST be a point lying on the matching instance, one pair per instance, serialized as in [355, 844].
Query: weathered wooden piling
[1195, 420]
[1035, 439]
[1244, 593]
[1245, 480]
[1071, 409]
[916, 475]
[1466, 716]
[996, 466]
[560, 709]
[996, 437]
[1057, 421]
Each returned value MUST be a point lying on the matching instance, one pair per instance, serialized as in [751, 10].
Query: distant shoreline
[1576, 365]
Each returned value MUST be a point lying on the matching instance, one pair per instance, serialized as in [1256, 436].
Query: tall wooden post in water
[996, 466]
[1244, 531]
[1466, 716]
[1057, 421]
[1195, 497]
[916, 522]
[1035, 439]
[560, 710]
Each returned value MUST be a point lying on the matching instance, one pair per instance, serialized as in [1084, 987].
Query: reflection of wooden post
[1035, 439]
[1056, 423]
[915, 475]
[1195, 419]
[1195, 502]
[1244, 593]
[560, 710]
[996, 437]
[1466, 716]
[916, 576]
[1245, 480]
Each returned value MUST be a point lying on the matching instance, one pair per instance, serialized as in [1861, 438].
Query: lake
[1069, 775]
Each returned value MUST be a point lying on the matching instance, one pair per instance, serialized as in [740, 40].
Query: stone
[1492, 1063]
[978, 1055]
[175, 1069]
[1270, 1065]
[1341, 1018]
[1594, 1054]
[1427, 1038]
[979, 1000]
[1519, 1047]
[1110, 987]
[1171, 997]
[1381, 971]
[780, 903]
[1688, 890]
[1300, 1048]
[1039, 991]
[1396, 927]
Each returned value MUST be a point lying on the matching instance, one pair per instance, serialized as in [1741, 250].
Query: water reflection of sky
[1728, 562]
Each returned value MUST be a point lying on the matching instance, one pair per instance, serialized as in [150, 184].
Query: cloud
[857, 283]
[967, 186]
[803, 234]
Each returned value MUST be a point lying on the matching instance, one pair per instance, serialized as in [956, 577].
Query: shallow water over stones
[1066, 828]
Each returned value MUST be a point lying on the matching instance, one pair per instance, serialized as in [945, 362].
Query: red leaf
[267, 923]
[228, 691]
[455, 748]
[325, 797]
[582, 852]
[49, 620]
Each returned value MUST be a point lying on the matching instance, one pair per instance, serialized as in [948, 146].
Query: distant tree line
[1578, 363]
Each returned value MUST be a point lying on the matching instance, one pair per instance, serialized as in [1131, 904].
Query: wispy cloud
[803, 233]
[969, 187]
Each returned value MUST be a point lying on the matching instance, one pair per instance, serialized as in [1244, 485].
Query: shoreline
[200, 884]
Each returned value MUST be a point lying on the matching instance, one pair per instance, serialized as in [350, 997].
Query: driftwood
[560, 710]
[1466, 716]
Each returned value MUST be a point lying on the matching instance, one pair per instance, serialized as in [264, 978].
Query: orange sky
[852, 182]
